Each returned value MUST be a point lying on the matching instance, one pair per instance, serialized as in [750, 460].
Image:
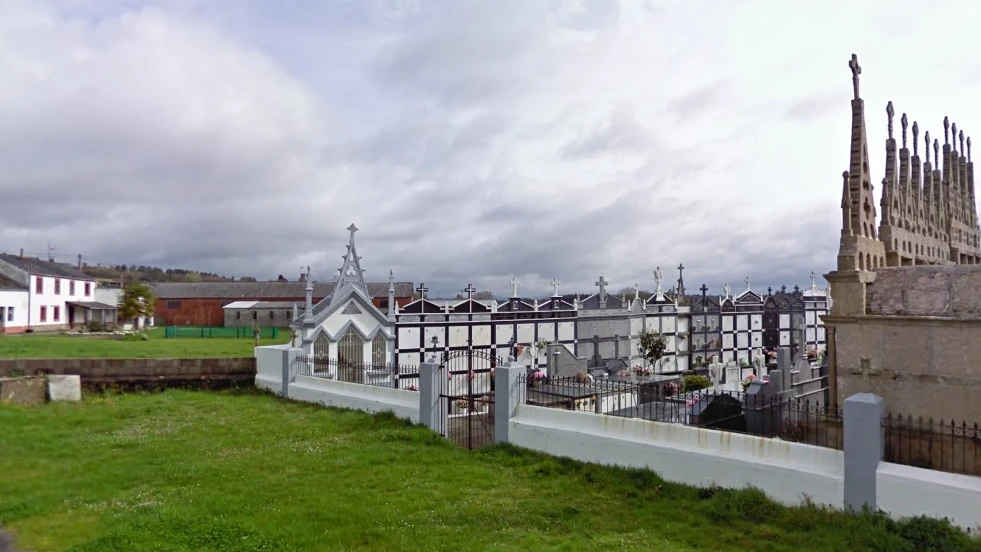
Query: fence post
[864, 443]
[429, 395]
[507, 395]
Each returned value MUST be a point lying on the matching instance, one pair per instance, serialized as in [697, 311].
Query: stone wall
[934, 291]
[921, 366]
[141, 372]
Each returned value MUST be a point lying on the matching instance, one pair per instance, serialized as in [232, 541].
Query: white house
[48, 296]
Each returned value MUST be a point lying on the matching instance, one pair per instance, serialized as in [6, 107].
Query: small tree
[136, 302]
[652, 345]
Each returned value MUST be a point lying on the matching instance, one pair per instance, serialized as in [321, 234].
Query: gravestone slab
[26, 390]
[763, 410]
[784, 358]
[65, 388]
[732, 372]
[722, 412]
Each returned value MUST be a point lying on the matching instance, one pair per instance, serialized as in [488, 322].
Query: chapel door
[350, 357]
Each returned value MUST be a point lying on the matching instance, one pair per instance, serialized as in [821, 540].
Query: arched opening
[379, 349]
[321, 347]
[861, 262]
[350, 357]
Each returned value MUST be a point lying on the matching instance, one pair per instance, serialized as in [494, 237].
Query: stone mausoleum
[906, 318]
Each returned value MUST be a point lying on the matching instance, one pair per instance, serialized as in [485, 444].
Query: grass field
[205, 471]
[156, 346]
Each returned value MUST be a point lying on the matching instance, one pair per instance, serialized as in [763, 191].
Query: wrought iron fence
[383, 375]
[782, 417]
[937, 445]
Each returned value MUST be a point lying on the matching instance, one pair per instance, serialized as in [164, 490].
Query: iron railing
[937, 445]
[783, 417]
[383, 375]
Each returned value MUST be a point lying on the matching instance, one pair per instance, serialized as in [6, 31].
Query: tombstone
[722, 412]
[777, 380]
[715, 374]
[561, 363]
[732, 372]
[784, 358]
[763, 410]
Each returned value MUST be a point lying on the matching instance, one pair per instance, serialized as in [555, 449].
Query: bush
[694, 383]
[96, 326]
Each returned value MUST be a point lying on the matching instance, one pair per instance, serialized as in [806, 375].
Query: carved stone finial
[903, 121]
[916, 138]
[960, 135]
[856, 71]
[936, 152]
[890, 112]
[953, 134]
[926, 145]
[968, 149]
[946, 130]
[844, 175]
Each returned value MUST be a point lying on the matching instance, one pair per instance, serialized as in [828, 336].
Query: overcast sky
[471, 141]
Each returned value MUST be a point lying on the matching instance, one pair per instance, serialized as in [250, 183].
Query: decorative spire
[936, 152]
[960, 135]
[846, 206]
[391, 281]
[890, 112]
[926, 142]
[856, 71]
[946, 130]
[953, 133]
[350, 278]
[916, 142]
[968, 149]
[903, 121]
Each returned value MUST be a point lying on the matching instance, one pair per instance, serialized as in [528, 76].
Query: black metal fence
[383, 375]
[782, 417]
[937, 445]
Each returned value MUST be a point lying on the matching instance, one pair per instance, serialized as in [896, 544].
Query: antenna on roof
[50, 256]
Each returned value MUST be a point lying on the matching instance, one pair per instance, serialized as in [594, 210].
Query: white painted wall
[367, 398]
[269, 367]
[905, 491]
[18, 301]
[49, 299]
[784, 470]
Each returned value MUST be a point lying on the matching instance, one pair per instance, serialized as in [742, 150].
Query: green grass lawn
[156, 346]
[230, 471]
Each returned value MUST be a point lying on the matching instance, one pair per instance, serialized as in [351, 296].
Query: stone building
[592, 331]
[905, 322]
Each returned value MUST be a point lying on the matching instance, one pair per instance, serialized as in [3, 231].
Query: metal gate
[466, 397]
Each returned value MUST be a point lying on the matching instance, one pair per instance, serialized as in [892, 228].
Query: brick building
[203, 304]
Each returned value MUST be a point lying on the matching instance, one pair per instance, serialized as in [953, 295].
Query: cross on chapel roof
[856, 71]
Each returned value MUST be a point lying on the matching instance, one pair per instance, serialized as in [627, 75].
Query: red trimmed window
[56, 314]
[44, 314]
[57, 286]
[71, 287]
[88, 289]
[39, 284]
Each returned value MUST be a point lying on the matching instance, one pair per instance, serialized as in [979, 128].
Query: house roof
[92, 305]
[261, 305]
[6, 284]
[44, 268]
[257, 290]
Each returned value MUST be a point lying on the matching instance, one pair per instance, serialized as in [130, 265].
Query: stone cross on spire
[727, 290]
[351, 276]
[813, 280]
[514, 287]
[636, 291]
[602, 283]
[747, 283]
[391, 281]
[916, 138]
[470, 290]
[890, 112]
[555, 287]
[422, 289]
[856, 71]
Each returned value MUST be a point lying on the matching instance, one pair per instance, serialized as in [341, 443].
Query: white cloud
[469, 140]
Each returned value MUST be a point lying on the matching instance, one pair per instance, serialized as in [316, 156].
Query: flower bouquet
[749, 380]
[643, 371]
[536, 377]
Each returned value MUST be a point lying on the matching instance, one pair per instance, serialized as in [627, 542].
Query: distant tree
[281, 278]
[193, 276]
[629, 292]
[136, 302]
[483, 296]
[652, 345]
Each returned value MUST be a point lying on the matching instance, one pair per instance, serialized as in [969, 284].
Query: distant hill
[151, 274]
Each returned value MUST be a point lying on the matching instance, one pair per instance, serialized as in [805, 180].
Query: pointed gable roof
[350, 279]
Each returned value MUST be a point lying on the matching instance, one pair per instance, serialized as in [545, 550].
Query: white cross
[514, 287]
[470, 291]
[555, 287]
[813, 280]
[747, 283]
[636, 291]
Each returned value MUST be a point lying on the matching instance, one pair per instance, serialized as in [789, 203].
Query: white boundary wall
[269, 367]
[367, 398]
[784, 470]
[905, 491]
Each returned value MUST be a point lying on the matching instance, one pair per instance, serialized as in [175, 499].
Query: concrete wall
[921, 366]
[786, 471]
[367, 398]
[14, 315]
[138, 371]
[905, 491]
[934, 291]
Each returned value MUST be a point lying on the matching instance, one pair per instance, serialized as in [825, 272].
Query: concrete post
[507, 395]
[864, 444]
[429, 389]
[287, 362]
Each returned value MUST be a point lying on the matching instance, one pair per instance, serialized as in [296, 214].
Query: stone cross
[422, 289]
[514, 287]
[856, 71]
[747, 283]
[602, 283]
[916, 138]
[866, 371]
[469, 290]
[555, 287]
[727, 290]
[352, 229]
[657, 278]
[890, 112]
[435, 341]
[636, 291]
[813, 280]
[905, 122]
[704, 289]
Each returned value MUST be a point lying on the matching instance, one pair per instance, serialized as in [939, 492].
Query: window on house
[71, 287]
[238, 315]
[88, 289]
[170, 304]
[10, 314]
[57, 286]
[39, 284]
[272, 315]
[56, 314]
[44, 314]
[255, 315]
